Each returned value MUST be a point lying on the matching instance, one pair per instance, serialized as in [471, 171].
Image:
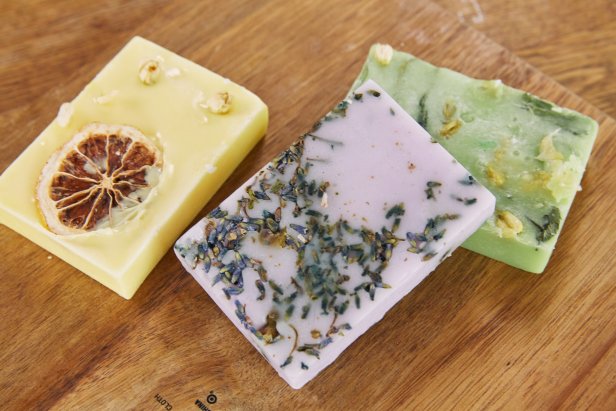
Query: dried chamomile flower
[509, 224]
[220, 103]
[384, 53]
[149, 72]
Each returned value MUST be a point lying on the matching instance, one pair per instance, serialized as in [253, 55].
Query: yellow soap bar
[200, 124]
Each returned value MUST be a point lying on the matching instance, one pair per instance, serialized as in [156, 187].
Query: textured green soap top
[528, 152]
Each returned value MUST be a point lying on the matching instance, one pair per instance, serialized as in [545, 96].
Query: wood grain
[476, 334]
[570, 40]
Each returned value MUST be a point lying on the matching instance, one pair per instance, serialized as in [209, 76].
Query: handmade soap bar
[116, 177]
[320, 243]
[528, 152]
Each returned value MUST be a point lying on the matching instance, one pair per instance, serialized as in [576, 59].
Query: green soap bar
[528, 152]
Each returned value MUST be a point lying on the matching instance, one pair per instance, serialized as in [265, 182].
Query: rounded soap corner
[266, 121]
[296, 385]
[136, 39]
[127, 294]
[539, 269]
[593, 128]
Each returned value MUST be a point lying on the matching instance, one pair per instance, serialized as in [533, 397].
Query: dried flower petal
[149, 72]
[106, 98]
[173, 72]
[451, 128]
[64, 114]
[384, 53]
[220, 103]
[509, 224]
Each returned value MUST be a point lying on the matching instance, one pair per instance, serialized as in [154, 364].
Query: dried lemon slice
[98, 179]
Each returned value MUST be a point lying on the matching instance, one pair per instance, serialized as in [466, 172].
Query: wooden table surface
[572, 41]
[475, 335]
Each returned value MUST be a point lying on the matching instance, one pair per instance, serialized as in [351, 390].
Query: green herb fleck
[261, 289]
[305, 311]
[395, 211]
[431, 185]
[275, 287]
[287, 361]
[422, 116]
[240, 311]
[561, 118]
[325, 140]
[469, 180]
[289, 312]
[466, 201]
[217, 213]
[549, 228]
[419, 242]
[309, 350]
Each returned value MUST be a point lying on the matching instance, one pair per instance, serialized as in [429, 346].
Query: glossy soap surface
[530, 153]
[319, 244]
[199, 149]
